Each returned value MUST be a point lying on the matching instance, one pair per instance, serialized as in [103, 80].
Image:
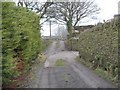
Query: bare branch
[64, 11]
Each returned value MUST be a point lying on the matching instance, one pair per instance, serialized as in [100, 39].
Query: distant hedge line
[21, 41]
[100, 47]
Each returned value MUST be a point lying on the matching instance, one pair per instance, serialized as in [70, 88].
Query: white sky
[108, 9]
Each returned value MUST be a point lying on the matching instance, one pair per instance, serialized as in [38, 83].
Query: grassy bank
[100, 72]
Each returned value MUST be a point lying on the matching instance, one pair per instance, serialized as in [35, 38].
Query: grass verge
[103, 74]
[32, 74]
[60, 62]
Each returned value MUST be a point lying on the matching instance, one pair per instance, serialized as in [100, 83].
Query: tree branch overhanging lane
[69, 13]
[39, 7]
[72, 12]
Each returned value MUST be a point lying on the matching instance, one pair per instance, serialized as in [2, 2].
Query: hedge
[99, 47]
[21, 41]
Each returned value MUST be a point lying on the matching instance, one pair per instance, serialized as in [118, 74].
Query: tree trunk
[69, 28]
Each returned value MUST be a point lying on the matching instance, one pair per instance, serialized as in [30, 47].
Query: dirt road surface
[71, 75]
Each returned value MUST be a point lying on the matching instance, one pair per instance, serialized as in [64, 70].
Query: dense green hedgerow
[72, 44]
[21, 40]
[100, 47]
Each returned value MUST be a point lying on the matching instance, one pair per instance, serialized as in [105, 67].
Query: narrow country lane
[71, 75]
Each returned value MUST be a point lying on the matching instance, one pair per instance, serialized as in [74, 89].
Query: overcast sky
[108, 9]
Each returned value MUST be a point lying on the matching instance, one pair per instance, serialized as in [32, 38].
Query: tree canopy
[71, 13]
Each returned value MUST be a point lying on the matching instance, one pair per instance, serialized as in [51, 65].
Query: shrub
[100, 47]
[21, 41]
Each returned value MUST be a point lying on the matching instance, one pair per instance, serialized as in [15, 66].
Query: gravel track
[71, 75]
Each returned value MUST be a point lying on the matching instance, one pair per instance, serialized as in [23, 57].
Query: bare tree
[39, 7]
[22, 3]
[71, 13]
